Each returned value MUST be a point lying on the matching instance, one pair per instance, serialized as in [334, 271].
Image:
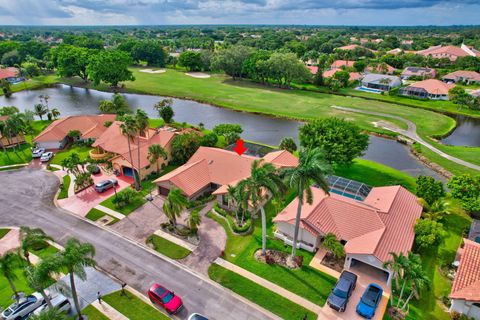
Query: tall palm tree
[419, 281]
[238, 194]
[40, 110]
[129, 129]
[174, 205]
[9, 262]
[32, 239]
[141, 120]
[193, 221]
[155, 153]
[55, 113]
[38, 278]
[49, 314]
[75, 258]
[397, 264]
[264, 181]
[312, 167]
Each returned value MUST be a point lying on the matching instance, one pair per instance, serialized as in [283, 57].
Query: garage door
[163, 191]
[376, 273]
[127, 171]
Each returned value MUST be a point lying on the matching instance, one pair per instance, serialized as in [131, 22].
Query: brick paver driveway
[82, 202]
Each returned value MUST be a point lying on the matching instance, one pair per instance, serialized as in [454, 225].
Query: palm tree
[397, 264]
[312, 167]
[331, 244]
[49, 314]
[38, 278]
[129, 129]
[55, 113]
[32, 239]
[438, 209]
[40, 110]
[141, 120]
[263, 179]
[9, 262]
[193, 220]
[74, 258]
[419, 280]
[238, 194]
[155, 152]
[174, 205]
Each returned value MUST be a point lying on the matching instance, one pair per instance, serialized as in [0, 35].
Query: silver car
[59, 302]
[37, 153]
[24, 307]
[47, 156]
[105, 185]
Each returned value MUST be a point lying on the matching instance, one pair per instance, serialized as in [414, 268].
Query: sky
[301, 12]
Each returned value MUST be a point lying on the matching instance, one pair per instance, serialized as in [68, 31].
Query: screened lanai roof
[349, 188]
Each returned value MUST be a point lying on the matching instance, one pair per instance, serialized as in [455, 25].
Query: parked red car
[165, 298]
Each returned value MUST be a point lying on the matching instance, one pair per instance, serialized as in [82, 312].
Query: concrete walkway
[109, 211]
[10, 241]
[411, 133]
[270, 286]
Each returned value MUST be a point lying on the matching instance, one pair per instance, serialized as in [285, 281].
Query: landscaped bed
[265, 298]
[95, 215]
[64, 188]
[168, 248]
[133, 307]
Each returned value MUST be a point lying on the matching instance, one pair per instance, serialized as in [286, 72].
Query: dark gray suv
[338, 298]
[105, 185]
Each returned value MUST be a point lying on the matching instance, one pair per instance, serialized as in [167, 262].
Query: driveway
[26, 199]
[366, 275]
[82, 202]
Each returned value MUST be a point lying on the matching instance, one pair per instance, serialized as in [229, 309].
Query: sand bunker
[153, 71]
[199, 75]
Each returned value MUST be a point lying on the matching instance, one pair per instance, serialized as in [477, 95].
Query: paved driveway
[366, 276]
[26, 199]
[82, 202]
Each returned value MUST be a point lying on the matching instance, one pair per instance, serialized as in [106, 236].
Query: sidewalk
[110, 212]
[108, 311]
[270, 286]
[180, 242]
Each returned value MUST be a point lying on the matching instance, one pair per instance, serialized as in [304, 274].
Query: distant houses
[428, 89]
[10, 74]
[449, 52]
[381, 81]
[467, 77]
[418, 72]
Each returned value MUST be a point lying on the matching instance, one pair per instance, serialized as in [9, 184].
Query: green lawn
[95, 214]
[375, 174]
[132, 307]
[3, 232]
[33, 83]
[64, 189]
[136, 203]
[168, 248]
[81, 150]
[265, 298]
[48, 251]
[93, 314]
[6, 293]
[307, 282]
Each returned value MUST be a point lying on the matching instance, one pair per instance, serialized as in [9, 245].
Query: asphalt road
[26, 199]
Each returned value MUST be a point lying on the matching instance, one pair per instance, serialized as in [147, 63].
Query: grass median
[133, 307]
[65, 186]
[168, 248]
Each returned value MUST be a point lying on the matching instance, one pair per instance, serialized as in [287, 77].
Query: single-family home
[465, 293]
[337, 64]
[450, 52]
[428, 89]
[10, 74]
[420, 72]
[469, 77]
[113, 144]
[212, 170]
[381, 68]
[381, 81]
[55, 136]
[11, 140]
[354, 76]
[370, 228]
[351, 47]
[313, 69]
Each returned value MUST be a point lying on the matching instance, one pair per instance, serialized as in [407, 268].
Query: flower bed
[280, 258]
[333, 262]
[243, 229]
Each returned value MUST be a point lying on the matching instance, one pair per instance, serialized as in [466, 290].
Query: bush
[84, 179]
[200, 201]
[124, 198]
[428, 233]
[429, 189]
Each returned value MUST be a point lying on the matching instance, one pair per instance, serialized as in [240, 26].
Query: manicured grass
[136, 203]
[265, 298]
[168, 248]
[33, 83]
[48, 251]
[132, 307]
[64, 189]
[3, 232]
[6, 293]
[81, 150]
[93, 314]
[375, 174]
[307, 282]
[95, 214]
[428, 307]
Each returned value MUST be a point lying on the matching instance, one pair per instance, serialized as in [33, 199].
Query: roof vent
[210, 162]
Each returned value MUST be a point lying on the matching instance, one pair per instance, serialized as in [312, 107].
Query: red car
[165, 298]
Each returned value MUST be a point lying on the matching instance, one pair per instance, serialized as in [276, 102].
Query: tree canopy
[110, 66]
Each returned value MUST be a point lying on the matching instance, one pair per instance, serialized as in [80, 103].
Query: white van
[59, 302]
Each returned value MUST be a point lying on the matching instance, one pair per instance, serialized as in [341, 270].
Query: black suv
[338, 298]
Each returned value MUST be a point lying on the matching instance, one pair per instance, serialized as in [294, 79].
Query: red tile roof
[222, 167]
[89, 127]
[378, 68]
[380, 224]
[8, 72]
[433, 86]
[451, 52]
[342, 63]
[466, 284]
[313, 69]
[353, 75]
[464, 74]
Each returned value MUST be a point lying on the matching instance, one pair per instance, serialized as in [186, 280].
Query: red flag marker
[239, 147]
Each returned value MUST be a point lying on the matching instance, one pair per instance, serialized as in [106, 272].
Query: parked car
[26, 305]
[58, 301]
[105, 185]
[338, 298]
[369, 302]
[165, 298]
[37, 152]
[197, 316]
[47, 156]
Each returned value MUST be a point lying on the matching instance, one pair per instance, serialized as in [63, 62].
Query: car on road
[369, 301]
[46, 156]
[165, 298]
[24, 307]
[197, 316]
[104, 185]
[37, 152]
[59, 302]
[338, 298]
